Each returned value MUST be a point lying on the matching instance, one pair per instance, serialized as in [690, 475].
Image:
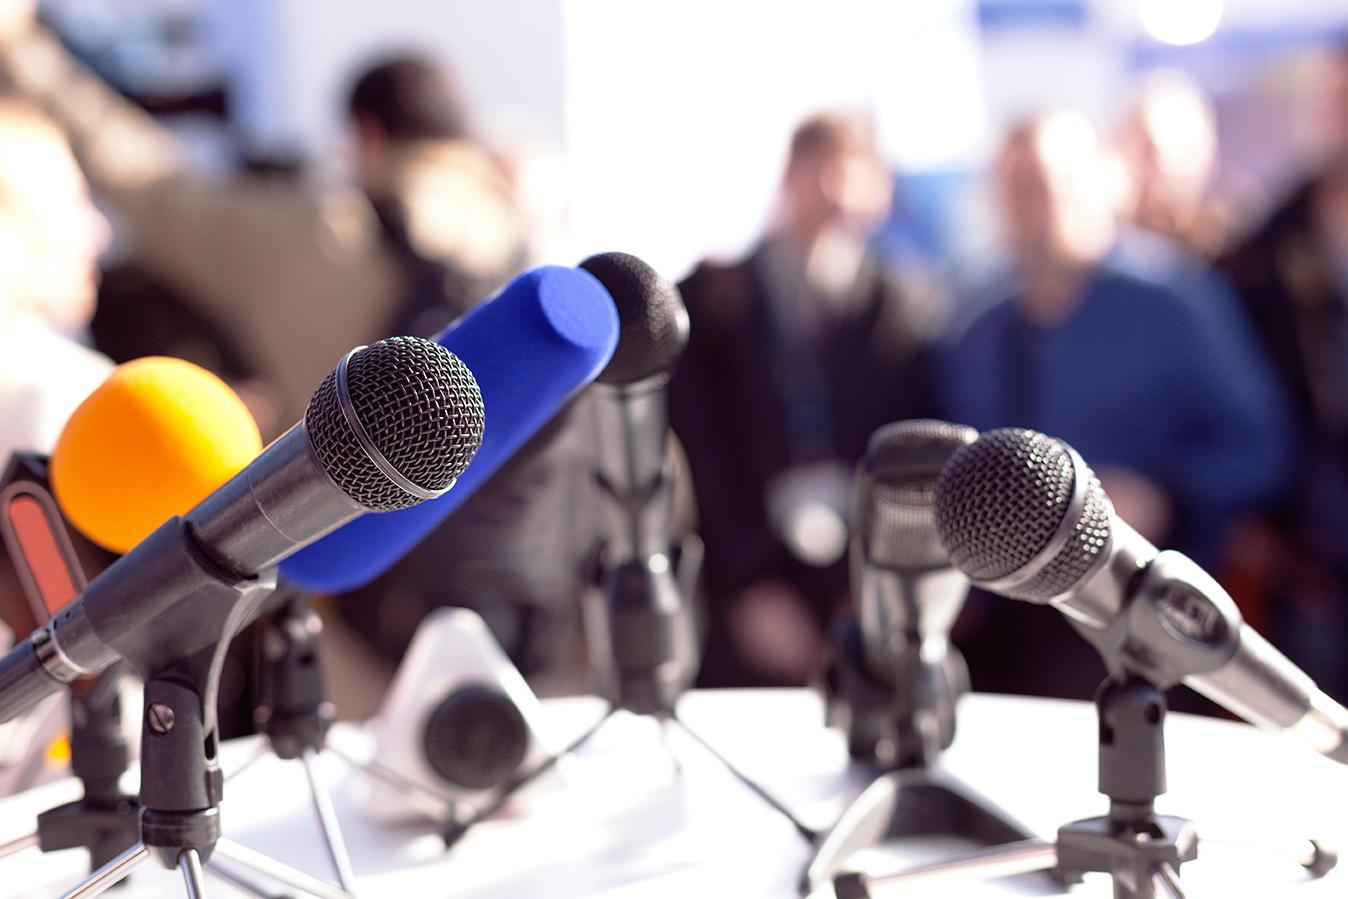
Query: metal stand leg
[281, 873]
[1166, 883]
[676, 763]
[806, 833]
[240, 882]
[18, 845]
[190, 864]
[327, 820]
[432, 804]
[111, 874]
[1025, 857]
[259, 752]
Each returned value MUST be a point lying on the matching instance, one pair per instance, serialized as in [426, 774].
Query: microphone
[151, 442]
[642, 636]
[1022, 515]
[908, 593]
[532, 347]
[392, 426]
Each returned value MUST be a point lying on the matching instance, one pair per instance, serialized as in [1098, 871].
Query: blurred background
[1124, 222]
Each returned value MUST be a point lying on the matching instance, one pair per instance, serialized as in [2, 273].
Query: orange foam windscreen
[155, 439]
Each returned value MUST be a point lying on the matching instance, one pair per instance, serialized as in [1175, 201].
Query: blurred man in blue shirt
[1146, 383]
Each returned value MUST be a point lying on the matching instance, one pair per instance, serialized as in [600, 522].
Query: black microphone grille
[652, 320]
[418, 420]
[1001, 502]
[898, 492]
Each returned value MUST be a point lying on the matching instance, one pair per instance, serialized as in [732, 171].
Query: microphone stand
[1141, 850]
[181, 784]
[105, 819]
[643, 642]
[897, 727]
[293, 711]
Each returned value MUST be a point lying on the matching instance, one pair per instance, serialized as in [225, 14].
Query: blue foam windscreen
[549, 333]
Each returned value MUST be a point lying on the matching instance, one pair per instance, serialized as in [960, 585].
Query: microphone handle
[1264, 687]
[24, 680]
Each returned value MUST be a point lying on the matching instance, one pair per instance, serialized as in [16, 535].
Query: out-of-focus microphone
[1022, 515]
[642, 635]
[908, 593]
[394, 425]
[151, 442]
[531, 348]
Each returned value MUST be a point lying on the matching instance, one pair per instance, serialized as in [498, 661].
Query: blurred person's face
[1168, 147]
[50, 230]
[846, 187]
[1054, 195]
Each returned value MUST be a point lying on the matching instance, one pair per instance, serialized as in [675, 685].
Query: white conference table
[627, 826]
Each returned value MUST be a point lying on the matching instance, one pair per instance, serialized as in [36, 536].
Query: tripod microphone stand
[898, 730]
[644, 645]
[181, 784]
[104, 819]
[1141, 850]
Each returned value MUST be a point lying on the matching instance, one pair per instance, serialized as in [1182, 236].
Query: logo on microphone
[1189, 616]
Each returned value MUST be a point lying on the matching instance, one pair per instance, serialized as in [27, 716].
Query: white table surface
[627, 827]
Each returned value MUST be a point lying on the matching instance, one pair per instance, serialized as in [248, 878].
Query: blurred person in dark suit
[293, 274]
[796, 355]
[1122, 367]
[1292, 271]
[51, 236]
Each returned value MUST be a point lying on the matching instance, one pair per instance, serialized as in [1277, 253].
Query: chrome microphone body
[1024, 516]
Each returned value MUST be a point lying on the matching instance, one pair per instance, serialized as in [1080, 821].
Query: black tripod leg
[454, 830]
[806, 833]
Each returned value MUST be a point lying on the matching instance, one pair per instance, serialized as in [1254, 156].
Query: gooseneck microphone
[908, 593]
[1023, 516]
[642, 635]
[394, 425]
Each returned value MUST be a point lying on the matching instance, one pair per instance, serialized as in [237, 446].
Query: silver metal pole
[22, 843]
[111, 874]
[278, 871]
[189, 862]
[1008, 860]
[1166, 882]
[327, 820]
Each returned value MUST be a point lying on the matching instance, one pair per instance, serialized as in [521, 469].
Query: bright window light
[1180, 21]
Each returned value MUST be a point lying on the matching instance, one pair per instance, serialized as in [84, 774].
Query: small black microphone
[642, 633]
[1024, 516]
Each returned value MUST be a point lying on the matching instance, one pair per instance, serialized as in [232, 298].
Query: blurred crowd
[1199, 362]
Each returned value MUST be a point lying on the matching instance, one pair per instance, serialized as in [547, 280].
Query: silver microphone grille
[419, 406]
[1002, 509]
[897, 492]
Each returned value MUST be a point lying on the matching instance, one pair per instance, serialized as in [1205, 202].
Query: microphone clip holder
[175, 637]
[104, 820]
[1141, 850]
